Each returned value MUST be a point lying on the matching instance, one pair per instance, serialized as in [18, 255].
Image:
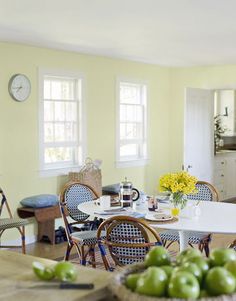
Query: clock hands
[17, 88]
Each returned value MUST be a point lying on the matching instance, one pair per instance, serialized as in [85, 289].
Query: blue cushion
[39, 201]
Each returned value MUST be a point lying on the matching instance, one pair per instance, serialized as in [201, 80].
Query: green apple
[157, 256]
[231, 267]
[220, 256]
[183, 285]
[186, 254]
[191, 268]
[43, 272]
[131, 281]
[65, 271]
[153, 282]
[219, 281]
[201, 262]
[168, 269]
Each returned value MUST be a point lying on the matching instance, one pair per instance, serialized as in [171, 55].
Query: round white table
[213, 217]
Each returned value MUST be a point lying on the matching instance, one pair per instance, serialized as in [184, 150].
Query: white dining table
[212, 217]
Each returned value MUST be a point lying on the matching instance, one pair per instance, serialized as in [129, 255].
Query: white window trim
[132, 162]
[61, 170]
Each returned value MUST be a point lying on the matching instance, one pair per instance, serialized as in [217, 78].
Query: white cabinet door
[199, 133]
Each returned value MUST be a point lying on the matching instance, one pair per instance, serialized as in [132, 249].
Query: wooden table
[16, 278]
[45, 218]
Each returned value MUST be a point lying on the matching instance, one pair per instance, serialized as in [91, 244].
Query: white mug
[105, 201]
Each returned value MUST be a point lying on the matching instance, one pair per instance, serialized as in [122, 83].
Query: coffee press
[128, 194]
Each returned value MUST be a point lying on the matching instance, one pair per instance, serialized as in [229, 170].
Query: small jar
[152, 203]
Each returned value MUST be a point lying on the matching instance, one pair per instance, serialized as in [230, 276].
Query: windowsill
[58, 171]
[131, 163]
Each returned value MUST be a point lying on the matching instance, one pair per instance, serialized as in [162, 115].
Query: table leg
[183, 240]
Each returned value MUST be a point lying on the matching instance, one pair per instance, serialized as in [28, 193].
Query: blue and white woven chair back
[75, 195]
[127, 234]
[204, 193]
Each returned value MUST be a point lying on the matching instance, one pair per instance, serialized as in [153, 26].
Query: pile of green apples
[63, 271]
[191, 276]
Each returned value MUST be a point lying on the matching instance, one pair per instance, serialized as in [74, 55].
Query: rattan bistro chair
[10, 223]
[206, 192]
[233, 245]
[127, 239]
[73, 194]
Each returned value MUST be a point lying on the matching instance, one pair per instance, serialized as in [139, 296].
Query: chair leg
[23, 239]
[92, 255]
[104, 258]
[83, 256]
[169, 244]
[206, 249]
[68, 249]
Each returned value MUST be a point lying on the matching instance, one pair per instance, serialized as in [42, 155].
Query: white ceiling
[163, 32]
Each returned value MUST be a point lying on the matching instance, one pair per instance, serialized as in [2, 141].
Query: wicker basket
[118, 289]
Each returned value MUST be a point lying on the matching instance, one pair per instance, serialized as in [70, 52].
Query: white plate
[158, 217]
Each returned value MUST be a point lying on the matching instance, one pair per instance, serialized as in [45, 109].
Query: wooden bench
[45, 218]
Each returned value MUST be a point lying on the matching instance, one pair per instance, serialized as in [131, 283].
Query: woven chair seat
[172, 235]
[87, 237]
[6, 223]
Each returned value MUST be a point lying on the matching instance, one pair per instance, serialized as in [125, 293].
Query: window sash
[138, 140]
[69, 141]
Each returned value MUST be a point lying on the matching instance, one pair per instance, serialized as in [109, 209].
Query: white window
[131, 124]
[61, 126]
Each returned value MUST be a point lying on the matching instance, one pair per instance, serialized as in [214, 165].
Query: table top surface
[17, 280]
[213, 217]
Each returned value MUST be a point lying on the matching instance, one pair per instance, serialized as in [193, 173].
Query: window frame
[130, 162]
[61, 168]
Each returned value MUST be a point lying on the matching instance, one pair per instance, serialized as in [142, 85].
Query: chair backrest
[206, 192]
[4, 203]
[127, 238]
[73, 194]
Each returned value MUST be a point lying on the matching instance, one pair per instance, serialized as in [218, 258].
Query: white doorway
[199, 133]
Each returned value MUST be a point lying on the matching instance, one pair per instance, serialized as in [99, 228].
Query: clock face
[19, 87]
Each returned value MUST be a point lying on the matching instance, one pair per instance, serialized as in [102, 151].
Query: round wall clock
[19, 87]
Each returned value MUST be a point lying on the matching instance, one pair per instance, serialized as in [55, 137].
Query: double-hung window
[131, 123]
[61, 124]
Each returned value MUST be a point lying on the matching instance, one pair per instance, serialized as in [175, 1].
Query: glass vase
[178, 202]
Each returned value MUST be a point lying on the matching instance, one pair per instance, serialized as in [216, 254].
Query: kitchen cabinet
[225, 174]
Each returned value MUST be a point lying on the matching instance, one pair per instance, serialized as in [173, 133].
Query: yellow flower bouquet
[178, 185]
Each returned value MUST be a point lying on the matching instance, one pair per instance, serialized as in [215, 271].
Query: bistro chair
[206, 192]
[127, 240]
[73, 194]
[233, 245]
[11, 222]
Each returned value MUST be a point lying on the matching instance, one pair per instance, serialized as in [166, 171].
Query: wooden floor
[46, 250]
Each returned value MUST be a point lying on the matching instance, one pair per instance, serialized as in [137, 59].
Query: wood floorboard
[46, 250]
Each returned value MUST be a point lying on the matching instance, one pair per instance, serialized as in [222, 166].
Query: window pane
[59, 111]
[130, 93]
[48, 111]
[131, 112]
[59, 129]
[131, 131]
[70, 131]
[58, 88]
[71, 111]
[58, 154]
[48, 132]
[128, 150]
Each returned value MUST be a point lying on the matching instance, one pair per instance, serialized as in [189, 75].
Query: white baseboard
[28, 240]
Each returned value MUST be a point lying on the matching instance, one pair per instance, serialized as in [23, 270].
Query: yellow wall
[19, 163]
[213, 77]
